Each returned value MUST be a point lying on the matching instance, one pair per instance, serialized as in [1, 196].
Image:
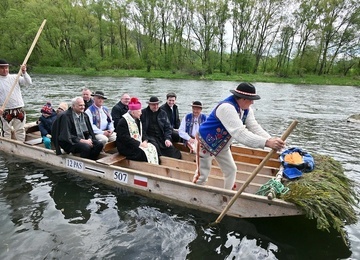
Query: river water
[50, 214]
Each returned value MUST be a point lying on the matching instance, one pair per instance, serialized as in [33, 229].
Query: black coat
[126, 145]
[117, 111]
[162, 120]
[169, 114]
[165, 129]
[64, 131]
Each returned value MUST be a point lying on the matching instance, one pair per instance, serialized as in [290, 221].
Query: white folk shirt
[6, 83]
[182, 129]
[103, 121]
[251, 134]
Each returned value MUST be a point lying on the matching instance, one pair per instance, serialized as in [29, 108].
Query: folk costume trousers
[204, 162]
[17, 125]
[104, 139]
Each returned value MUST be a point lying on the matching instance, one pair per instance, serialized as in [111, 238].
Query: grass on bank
[269, 78]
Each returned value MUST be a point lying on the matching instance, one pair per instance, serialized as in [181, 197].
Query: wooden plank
[180, 174]
[252, 151]
[215, 171]
[109, 146]
[243, 166]
[31, 127]
[238, 155]
[236, 149]
[253, 159]
[111, 159]
[34, 141]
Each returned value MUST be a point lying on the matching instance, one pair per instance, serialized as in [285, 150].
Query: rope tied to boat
[274, 187]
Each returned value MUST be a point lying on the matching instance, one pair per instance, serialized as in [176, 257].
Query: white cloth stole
[150, 150]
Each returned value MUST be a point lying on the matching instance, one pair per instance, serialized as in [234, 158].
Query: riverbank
[270, 78]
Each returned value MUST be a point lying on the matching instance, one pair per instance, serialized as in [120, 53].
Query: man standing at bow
[232, 118]
[101, 120]
[13, 115]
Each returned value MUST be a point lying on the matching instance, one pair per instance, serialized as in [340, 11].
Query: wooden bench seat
[109, 146]
[34, 141]
[111, 159]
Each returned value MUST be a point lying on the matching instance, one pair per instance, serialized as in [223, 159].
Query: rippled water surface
[49, 214]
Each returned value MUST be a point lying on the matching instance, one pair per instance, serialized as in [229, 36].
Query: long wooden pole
[254, 173]
[25, 61]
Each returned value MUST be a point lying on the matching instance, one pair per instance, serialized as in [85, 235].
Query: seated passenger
[86, 95]
[189, 126]
[157, 129]
[102, 123]
[130, 141]
[72, 132]
[120, 108]
[47, 118]
[172, 112]
[63, 106]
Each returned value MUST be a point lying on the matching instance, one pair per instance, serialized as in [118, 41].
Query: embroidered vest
[96, 116]
[212, 133]
[189, 123]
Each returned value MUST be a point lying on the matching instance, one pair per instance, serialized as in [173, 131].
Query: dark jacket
[169, 114]
[63, 130]
[162, 120]
[117, 111]
[45, 123]
[88, 103]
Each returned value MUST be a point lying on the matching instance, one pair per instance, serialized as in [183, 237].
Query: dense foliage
[195, 36]
[326, 195]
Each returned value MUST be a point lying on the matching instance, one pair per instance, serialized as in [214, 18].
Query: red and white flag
[141, 181]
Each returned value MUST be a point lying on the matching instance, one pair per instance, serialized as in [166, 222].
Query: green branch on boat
[325, 194]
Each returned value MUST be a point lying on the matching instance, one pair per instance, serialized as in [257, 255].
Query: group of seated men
[148, 133]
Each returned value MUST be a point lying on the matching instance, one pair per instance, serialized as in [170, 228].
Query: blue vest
[95, 118]
[189, 123]
[212, 132]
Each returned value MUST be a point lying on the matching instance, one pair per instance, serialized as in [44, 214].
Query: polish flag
[141, 181]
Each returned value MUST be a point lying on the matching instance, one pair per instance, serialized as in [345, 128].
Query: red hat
[47, 109]
[134, 104]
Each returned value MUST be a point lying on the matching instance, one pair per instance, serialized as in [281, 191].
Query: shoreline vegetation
[216, 76]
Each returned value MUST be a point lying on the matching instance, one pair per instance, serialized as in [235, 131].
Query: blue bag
[294, 170]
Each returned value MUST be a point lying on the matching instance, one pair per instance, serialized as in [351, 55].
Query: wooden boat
[170, 181]
[354, 118]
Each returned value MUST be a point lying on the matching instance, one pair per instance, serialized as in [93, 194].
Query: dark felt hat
[245, 90]
[153, 100]
[3, 63]
[196, 104]
[99, 94]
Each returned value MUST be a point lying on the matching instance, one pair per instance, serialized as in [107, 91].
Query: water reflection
[71, 201]
[18, 189]
[277, 238]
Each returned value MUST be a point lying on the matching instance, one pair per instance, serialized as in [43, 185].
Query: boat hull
[150, 184]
